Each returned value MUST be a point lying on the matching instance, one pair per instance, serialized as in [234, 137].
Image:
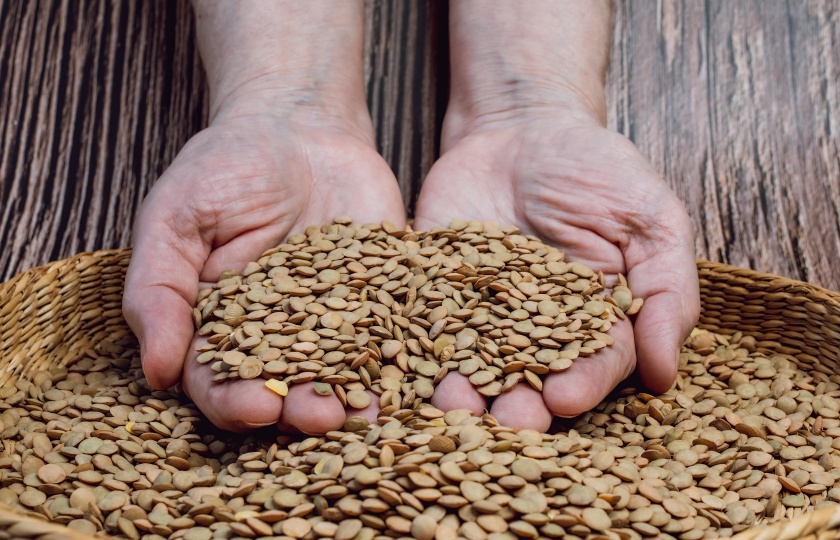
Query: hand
[568, 180]
[523, 143]
[236, 189]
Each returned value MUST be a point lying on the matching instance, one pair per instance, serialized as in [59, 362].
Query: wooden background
[736, 102]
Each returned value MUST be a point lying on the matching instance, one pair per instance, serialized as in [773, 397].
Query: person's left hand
[587, 190]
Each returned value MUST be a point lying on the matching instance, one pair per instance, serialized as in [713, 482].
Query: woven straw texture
[53, 314]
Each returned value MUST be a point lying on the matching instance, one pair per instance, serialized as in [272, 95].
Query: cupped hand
[237, 189]
[587, 190]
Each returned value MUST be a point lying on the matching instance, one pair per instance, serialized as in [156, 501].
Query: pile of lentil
[745, 436]
[393, 311]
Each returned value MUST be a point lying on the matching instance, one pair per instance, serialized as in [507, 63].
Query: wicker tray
[53, 314]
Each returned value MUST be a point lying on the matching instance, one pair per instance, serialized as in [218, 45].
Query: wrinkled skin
[237, 189]
[242, 185]
[587, 190]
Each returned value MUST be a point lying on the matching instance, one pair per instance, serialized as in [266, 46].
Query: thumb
[660, 329]
[665, 275]
[161, 288]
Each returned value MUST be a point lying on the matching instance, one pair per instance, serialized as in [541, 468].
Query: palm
[590, 192]
[235, 190]
[245, 195]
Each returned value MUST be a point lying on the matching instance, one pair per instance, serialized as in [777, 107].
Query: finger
[457, 392]
[664, 273]
[235, 405]
[160, 290]
[522, 408]
[661, 326]
[369, 413]
[309, 412]
[590, 379]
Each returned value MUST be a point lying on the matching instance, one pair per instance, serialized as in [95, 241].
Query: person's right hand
[565, 178]
[524, 143]
[236, 189]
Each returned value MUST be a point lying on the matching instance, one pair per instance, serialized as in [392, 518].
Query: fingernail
[252, 425]
[142, 344]
[309, 432]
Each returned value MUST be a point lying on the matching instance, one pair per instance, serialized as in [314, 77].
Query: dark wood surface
[736, 103]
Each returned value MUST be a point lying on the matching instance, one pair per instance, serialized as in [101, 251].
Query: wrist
[284, 59]
[520, 61]
[293, 101]
[514, 101]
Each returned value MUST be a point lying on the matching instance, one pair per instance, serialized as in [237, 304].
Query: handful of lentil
[393, 310]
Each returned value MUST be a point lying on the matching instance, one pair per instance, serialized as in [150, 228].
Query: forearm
[512, 54]
[283, 53]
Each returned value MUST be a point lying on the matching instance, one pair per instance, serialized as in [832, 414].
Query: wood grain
[98, 96]
[406, 86]
[736, 103]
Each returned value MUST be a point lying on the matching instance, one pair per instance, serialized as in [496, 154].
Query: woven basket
[54, 314]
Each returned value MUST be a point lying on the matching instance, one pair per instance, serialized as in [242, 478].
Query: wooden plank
[98, 96]
[406, 86]
[736, 103]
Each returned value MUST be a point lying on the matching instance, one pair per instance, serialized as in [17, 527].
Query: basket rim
[771, 281]
[77, 258]
[814, 297]
[774, 281]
